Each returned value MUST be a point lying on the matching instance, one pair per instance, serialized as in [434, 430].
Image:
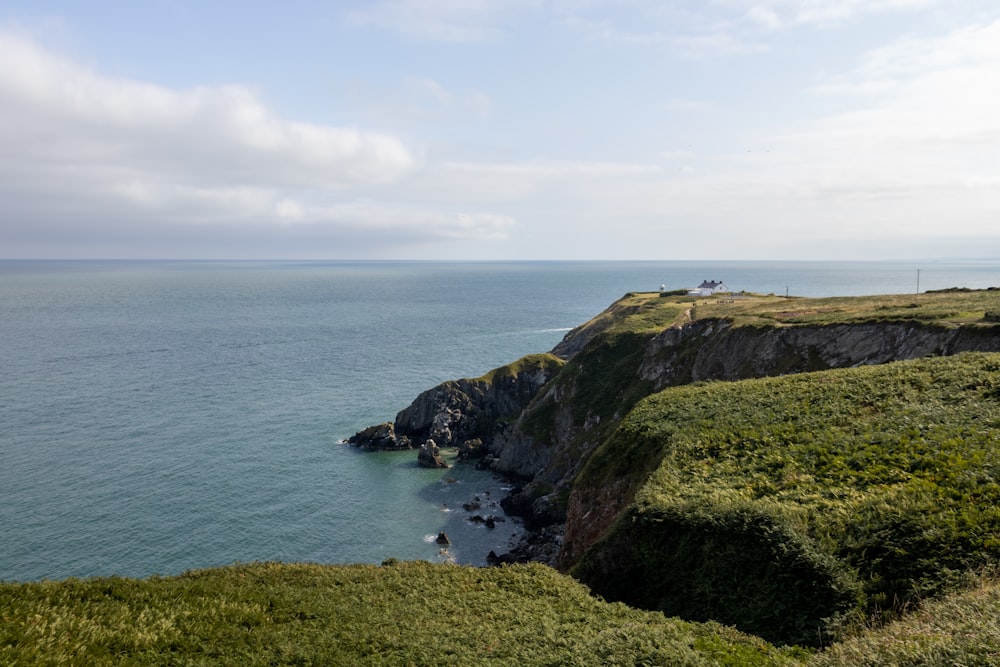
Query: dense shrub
[398, 614]
[882, 479]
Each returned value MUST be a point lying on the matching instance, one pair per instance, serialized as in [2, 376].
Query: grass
[959, 629]
[426, 614]
[845, 491]
[527, 364]
[642, 312]
[601, 377]
[952, 308]
[397, 614]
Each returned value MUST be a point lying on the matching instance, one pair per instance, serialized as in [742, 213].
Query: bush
[877, 479]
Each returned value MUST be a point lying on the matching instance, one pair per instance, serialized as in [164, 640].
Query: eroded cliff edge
[541, 418]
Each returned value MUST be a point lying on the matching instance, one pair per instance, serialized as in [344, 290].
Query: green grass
[959, 629]
[641, 312]
[827, 493]
[425, 614]
[943, 308]
[397, 614]
[527, 364]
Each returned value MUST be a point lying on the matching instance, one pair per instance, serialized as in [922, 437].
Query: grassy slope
[424, 614]
[527, 364]
[601, 377]
[960, 629]
[779, 502]
[397, 614]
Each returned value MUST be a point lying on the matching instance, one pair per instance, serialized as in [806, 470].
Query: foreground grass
[780, 503]
[960, 629]
[397, 614]
[424, 614]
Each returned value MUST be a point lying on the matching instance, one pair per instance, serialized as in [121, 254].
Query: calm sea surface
[162, 416]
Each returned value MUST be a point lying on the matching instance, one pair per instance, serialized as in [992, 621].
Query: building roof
[710, 284]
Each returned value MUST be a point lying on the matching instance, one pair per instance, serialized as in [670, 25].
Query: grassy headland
[853, 510]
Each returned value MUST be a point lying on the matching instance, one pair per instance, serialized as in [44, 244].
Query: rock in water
[429, 456]
[379, 437]
[442, 538]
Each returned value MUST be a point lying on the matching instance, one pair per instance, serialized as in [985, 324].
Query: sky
[500, 129]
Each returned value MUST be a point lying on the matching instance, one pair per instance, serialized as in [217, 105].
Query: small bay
[159, 416]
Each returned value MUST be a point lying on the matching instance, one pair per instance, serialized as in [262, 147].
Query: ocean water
[157, 417]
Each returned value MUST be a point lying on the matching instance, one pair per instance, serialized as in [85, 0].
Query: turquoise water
[162, 416]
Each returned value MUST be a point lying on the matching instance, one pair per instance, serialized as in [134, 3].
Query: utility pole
[918, 281]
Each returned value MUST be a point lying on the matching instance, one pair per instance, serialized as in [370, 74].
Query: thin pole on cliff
[918, 281]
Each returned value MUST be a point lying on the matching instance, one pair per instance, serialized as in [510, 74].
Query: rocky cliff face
[540, 419]
[716, 350]
[466, 414]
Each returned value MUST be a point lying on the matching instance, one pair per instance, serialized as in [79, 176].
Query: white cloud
[775, 14]
[460, 21]
[82, 150]
[926, 95]
[720, 42]
[914, 156]
[53, 109]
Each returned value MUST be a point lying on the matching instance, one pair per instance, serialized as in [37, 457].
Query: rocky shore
[537, 421]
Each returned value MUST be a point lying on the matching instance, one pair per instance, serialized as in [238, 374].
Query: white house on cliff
[708, 288]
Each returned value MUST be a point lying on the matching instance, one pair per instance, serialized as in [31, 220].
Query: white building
[708, 288]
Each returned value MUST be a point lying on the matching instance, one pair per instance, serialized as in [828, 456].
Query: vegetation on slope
[946, 308]
[959, 629]
[397, 614]
[601, 380]
[528, 364]
[602, 374]
[779, 503]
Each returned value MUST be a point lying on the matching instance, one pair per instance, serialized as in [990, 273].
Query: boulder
[471, 449]
[429, 456]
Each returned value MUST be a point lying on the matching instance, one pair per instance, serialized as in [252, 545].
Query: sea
[163, 416]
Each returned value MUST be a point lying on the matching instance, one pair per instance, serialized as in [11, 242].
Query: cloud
[901, 168]
[778, 14]
[80, 150]
[913, 156]
[53, 109]
[458, 21]
[928, 96]
[720, 42]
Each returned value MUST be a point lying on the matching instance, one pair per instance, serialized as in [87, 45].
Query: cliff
[582, 476]
[466, 413]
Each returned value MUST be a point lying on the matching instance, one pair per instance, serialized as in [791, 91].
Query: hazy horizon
[487, 130]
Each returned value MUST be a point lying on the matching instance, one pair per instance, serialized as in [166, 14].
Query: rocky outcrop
[379, 437]
[716, 350]
[464, 413]
[429, 456]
